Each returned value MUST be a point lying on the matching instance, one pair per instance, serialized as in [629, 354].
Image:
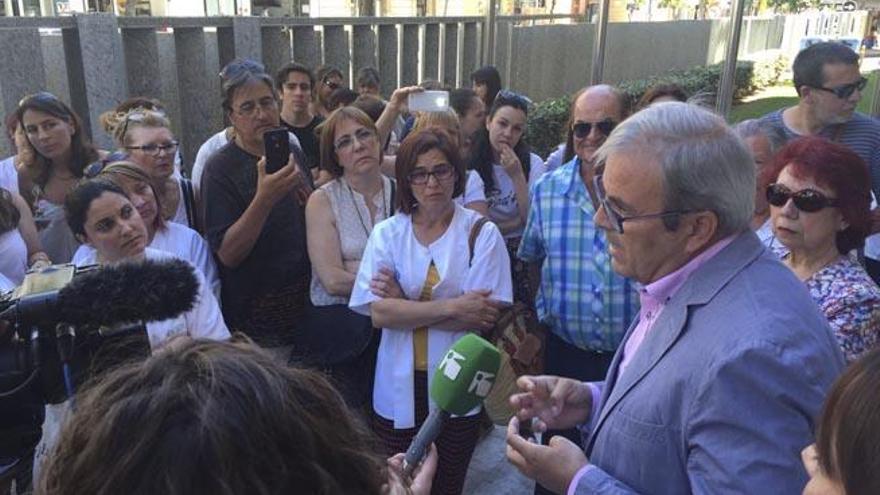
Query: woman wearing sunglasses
[146, 137]
[423, 251]
[174, 238]
[508, 169]
[819, 200]
[51, 161]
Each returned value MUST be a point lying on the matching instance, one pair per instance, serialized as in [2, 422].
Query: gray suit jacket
[725, 389]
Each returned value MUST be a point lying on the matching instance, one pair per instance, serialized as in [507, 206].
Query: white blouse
[503, 206]
[393, 244]
[474, 189]
[203, 321]
[180, 241]
[13, 256]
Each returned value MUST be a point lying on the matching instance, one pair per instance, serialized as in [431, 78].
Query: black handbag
[331, 335]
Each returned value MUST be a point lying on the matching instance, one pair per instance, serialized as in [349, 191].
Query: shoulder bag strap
[472, 239]
[189, 202]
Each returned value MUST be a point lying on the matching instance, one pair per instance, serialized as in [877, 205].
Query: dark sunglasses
[845, 91]
[234, 69]
[806, 200]
[583, 129]
[330, 84]
[94, 169]
[42, 96]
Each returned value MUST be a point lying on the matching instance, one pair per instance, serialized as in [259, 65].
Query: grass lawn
[760, 106]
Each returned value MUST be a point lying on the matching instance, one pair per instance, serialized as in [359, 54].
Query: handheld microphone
[147, 290]
[462, 381]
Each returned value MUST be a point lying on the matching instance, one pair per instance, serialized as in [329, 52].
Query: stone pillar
[141, 48]
[449, 59]
[306, 48]
[336, 50]
[409, 60]
[242, 40]
[363, 47]
[94, 54]
[470, 53]
[23, 74]
[200, 112]
[276, 48]
[431, 51]
[388, 58]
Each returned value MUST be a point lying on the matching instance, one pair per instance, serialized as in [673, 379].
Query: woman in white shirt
[145, 135]
[19, 243]
[423, 251]
[508, 169]
[174, 238]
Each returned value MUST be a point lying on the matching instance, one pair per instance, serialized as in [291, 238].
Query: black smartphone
[277, 148]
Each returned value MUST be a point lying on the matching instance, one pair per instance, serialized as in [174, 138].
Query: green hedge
[547, 119]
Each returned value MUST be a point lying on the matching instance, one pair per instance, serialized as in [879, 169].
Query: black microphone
[147, 290]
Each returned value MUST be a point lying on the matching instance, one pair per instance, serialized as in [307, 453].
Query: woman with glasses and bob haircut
[844, 459]
[51, 161]
[339, 218]
[424, 249]
[145, 136]
[174, 238]
[820, 199]
[508, 168]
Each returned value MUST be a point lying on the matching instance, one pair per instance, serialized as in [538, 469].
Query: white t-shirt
[9, 175]
[393, 244]
[180, 214]
[207, 149]
[203, 321]
[502, 201]
[13, 256]
[474, 190]
[6, 284]
[178, 240]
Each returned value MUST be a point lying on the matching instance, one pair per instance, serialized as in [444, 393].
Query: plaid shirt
[581, 298]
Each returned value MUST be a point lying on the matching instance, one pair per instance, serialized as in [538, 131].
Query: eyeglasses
[362, 135]
[806, 200]
[156, 149]
[845, 91]
[42, 96]
[131, 117]
[506, 95]
[583, 129]
[442, 173]
[237, 67]
[331, 84]
[94, 169]
[249, 108]
[616, 218]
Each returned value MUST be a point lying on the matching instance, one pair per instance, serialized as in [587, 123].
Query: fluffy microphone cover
[147, 290]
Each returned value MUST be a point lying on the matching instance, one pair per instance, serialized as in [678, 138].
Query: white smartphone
[428, 101]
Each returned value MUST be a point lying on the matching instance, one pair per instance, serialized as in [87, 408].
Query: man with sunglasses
[584, 304]
[718, 382]
[329, 80]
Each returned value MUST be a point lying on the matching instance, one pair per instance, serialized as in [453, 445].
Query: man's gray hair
[754, 127]
[238, 73]
[706, 166]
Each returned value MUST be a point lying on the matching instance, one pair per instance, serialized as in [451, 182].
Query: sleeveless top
[13, 256]
[353, 225]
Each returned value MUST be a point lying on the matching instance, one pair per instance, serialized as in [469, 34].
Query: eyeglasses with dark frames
[156, 149]
[845, 91]
[617, 219]
[806, 200]
[442, 173]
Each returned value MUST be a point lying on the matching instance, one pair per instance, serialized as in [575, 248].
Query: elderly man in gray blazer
[718, 382]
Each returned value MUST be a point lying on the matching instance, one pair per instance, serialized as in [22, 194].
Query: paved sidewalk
[490, 473]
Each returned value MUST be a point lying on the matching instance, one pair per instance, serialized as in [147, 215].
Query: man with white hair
[717, 384]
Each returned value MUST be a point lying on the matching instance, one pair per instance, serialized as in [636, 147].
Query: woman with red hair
[819, 199]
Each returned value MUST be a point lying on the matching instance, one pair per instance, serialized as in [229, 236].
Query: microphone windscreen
[466, 375]
[146, 290]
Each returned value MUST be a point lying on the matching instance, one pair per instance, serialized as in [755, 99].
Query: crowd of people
[700, 287]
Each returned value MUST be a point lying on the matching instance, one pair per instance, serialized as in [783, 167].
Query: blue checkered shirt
[581, 298]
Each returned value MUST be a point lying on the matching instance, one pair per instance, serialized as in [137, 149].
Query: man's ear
[702, 229]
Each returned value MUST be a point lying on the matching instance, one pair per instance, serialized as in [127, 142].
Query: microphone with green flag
[463, 379]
